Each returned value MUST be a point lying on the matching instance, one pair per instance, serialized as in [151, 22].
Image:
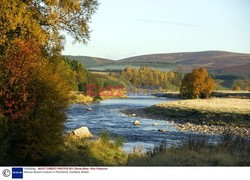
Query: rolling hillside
[214, 61]
[89, 61]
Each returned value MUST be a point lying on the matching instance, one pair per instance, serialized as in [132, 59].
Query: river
[106, 116]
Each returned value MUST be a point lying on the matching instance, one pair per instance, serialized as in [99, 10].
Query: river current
[106, 116]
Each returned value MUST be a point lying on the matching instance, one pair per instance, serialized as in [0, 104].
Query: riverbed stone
[162, 130]
[82, 132]
[136, 122]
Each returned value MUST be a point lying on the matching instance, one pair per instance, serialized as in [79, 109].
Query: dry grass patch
[215, 111]
[223, 105]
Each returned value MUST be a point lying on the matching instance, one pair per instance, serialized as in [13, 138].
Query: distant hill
[214, 61]
[89, 61]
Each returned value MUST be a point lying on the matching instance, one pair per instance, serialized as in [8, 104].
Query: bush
[197, 84]
[236, 88]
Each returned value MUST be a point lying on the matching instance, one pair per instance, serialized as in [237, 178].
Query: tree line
[148, 77]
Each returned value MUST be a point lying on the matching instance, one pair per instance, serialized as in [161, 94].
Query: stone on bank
[82, 132]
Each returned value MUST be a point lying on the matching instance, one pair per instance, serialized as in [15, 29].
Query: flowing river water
[106, 116]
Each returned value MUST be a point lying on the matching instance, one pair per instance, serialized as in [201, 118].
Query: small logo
[17, 173]
[6, 173]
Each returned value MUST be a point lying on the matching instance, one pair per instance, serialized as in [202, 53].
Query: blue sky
[125, 28]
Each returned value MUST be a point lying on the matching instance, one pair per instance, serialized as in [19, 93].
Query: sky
[126, 28]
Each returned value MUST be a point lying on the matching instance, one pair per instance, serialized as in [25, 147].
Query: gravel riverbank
[183, 125]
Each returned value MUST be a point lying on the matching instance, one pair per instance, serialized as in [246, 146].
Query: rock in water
[80, 133]
[161, 130]
[137, 122]
[155, 124]
[89, 109]
[133, 115]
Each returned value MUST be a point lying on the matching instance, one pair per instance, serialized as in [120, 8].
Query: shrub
[236, 88]
[197, 84]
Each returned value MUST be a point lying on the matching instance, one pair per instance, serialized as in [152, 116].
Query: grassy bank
[215, 94]
[209, 116]
[229, 152]
[79, 97]
[231, 94]
[103, 151]
[99, 152]
[215, 111]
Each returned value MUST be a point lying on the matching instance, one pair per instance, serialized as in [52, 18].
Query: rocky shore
[182, 125]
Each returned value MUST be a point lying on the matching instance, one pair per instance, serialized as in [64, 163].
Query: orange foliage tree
[16, 74]
[33, 103]
[197, 84]
[33, 91]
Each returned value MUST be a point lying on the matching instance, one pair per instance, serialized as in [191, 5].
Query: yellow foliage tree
[33, 91]
[44, 20]
[197, 84]
[33, 100]
[151, 78]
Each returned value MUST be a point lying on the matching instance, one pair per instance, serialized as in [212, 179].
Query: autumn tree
[44, 20]
[197, 84]
[74, 72]
[148, 77]
[33, 99]
[33, 91]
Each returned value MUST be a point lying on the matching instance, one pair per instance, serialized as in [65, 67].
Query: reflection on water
[106, 116]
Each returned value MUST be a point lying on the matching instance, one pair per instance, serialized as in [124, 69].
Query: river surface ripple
[106, 116]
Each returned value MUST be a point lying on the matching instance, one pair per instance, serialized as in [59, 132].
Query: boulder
[90, 109]
[136, 122]
[155, 124]
[82, 132]
[161, 130]
[133, 115]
